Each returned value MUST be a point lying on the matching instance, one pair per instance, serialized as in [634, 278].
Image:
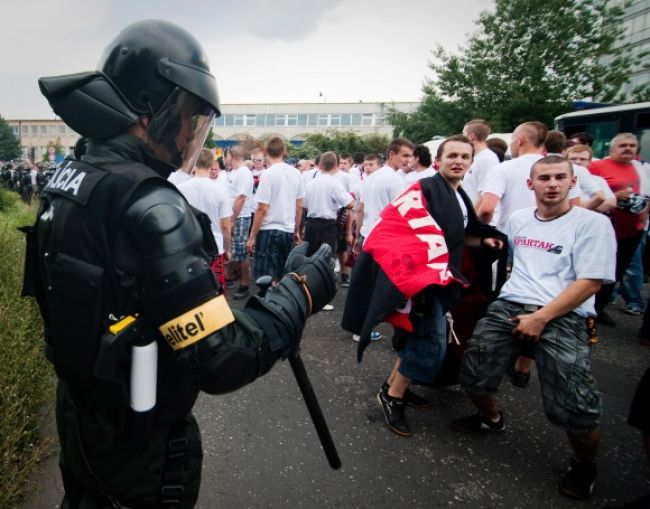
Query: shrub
[26, 379]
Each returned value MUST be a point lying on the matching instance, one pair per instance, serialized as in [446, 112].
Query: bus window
[603, 132]
[644, 142]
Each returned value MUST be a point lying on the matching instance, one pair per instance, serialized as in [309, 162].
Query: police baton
[308, 394]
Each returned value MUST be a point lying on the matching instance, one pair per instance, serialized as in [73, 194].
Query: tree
[209, 140]
[434, 116]
[529, 60]
[339, 141]
[58, 149]
[9, 144]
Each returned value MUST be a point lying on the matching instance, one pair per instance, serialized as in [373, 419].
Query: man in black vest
[135, 322]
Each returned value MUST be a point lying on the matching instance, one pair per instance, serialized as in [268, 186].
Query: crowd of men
[575, 227]
[25, 178]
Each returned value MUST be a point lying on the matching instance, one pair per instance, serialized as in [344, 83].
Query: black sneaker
[518, 378]
[394, 413]
[241, 293]
[477, 423]
[345, 280]
[410, 398]
[579, 480]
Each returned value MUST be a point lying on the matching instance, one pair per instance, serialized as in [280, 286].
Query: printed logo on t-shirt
[538, 244]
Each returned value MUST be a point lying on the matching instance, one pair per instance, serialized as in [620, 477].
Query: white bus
[605, 123]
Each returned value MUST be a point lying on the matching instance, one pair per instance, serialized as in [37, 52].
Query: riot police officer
[119, 264]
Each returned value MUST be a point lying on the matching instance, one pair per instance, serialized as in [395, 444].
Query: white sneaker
[374, 336]
[328, 307]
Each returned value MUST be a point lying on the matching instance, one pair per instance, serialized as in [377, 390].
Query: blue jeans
[632, 284]
[425, 349]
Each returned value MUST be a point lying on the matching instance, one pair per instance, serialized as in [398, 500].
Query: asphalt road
[261, 449]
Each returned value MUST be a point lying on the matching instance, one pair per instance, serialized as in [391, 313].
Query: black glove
[309, 285]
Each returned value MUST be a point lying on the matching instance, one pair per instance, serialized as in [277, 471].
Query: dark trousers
[98, 464]
[625, 249]
[320, 231]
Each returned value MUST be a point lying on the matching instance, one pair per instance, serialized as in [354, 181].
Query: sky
[260, 50]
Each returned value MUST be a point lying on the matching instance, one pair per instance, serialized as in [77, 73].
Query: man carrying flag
[411, 263]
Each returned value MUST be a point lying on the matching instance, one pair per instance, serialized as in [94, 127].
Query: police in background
[135, 322]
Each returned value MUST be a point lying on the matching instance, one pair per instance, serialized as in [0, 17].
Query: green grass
[26, 378]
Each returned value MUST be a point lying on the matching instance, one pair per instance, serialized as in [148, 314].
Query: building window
[292, 119]
[33, 129]
[14, 128]
[356, 119]
[366, 119]
[239, 119]
[43, 130]
[270, 119]
[322, 119]
[280, 120]
[25, 130]
[61, 129]
[230, 120]
[312, 119]
[302, 119]
[345, 119]
[52, 130]
[221, 121]
[250, 120]
[335, 119]
[260, 120]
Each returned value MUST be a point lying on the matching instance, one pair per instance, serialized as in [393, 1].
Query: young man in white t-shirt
[561, 257]
[210, 196]
[477, 131]
[420, 166]
[276, 224]
[324, 196]
[381, 188]
[241, 192]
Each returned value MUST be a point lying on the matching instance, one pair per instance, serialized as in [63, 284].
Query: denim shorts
[570, 395]
[425, 348]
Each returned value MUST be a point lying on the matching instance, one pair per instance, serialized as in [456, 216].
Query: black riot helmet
[152, 68]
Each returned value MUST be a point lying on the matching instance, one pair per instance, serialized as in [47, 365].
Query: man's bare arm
[260, 214]
[486, 207]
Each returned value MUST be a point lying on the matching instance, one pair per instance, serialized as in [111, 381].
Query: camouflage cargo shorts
[569, 392]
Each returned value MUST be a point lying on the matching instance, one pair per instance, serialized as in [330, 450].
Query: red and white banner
[409, 246]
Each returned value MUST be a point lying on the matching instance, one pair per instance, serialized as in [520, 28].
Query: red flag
[410, 247]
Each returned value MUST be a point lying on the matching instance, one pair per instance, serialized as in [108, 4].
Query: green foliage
[26, 379]
[527, 61]
[58, 149]
[209, 140]
[9, 144]
[434, 116]
[339, 141]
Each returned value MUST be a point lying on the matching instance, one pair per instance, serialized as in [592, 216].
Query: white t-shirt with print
[325, 195]
[280, 186]
[550, 255]
[377, 191]
[241, 183]
[209, 196]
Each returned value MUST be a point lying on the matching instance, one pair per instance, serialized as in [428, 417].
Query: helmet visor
[179, 128]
